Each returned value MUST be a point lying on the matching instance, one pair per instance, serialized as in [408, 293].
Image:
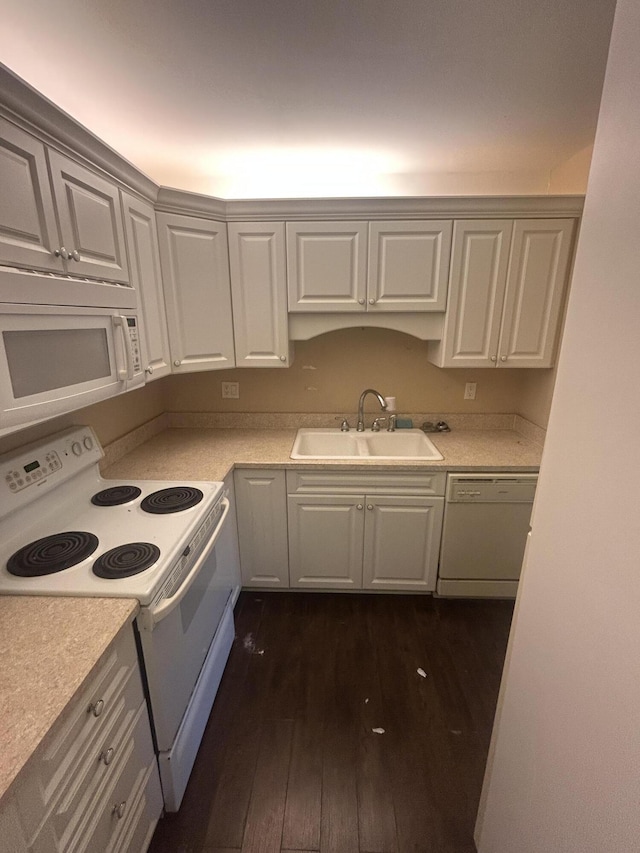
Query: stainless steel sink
[411, 444]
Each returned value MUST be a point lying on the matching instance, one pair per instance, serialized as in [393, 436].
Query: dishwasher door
[485, 528]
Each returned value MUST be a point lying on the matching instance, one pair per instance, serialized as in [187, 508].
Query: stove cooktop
[99, 541]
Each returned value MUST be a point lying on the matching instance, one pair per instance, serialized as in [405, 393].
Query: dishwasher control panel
[491, 488]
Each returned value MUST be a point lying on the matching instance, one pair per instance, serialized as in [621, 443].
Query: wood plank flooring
[290, 761]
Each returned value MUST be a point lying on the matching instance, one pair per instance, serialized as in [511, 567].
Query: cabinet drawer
[365, 482]
[133, 776]
[146, 808]
[63, 781]
[135, 791]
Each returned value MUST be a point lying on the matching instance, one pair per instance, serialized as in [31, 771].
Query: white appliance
[486, 521]
[56, 359]
[66, 531]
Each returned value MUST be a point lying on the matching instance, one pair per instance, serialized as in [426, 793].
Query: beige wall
[328, 374]
[330, 371]
[536, 392]
[572, 175]
[110, 419]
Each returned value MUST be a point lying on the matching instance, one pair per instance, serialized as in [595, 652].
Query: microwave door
[56, 361]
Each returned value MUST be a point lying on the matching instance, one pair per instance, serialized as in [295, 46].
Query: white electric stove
[64, 530]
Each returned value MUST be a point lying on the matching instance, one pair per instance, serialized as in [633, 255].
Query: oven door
[54, 360]
[176, 636]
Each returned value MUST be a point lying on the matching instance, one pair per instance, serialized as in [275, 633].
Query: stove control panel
[50, 461]
[24, 475]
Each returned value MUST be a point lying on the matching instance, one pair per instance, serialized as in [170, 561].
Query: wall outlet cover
[230, 390]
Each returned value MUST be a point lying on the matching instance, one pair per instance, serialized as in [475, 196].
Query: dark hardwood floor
[290, 760]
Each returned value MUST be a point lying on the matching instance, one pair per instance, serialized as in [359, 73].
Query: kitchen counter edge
[49, 650]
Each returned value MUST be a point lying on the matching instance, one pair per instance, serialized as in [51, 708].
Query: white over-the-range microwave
[54, 359]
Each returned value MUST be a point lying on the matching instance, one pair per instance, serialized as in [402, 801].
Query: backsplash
[288, 420]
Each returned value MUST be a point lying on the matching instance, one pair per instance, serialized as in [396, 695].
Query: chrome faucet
[383, 406]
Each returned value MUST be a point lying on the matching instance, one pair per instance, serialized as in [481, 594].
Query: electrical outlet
[469, 391]
[230, 390]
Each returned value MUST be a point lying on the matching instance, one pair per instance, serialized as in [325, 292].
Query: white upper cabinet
[408, 265]
[538, 274]
[144, 263]
[375, 267]
[195, 271]
[479, 265]
[505, 293]
[327, 266]
[91, 227]
[28, 230]
[257, 262]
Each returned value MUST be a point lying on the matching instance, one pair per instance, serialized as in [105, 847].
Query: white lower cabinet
[364, 531]
[401, 542]
[325, 541]
[96, 785]
[261, 502]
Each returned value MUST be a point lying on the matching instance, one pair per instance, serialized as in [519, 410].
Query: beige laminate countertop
[209, 454]
[48, 649]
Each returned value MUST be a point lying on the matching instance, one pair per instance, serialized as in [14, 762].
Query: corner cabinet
[506, 289]
[257, 261]
[261, 503]
[144, 263]
[195, 271]
[364, 530]
[377, 267]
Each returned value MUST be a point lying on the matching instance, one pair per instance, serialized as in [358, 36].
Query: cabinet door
[408, 265]
[259, 291]
[195, 271]
[144, 263]
[261, 502]
[401, 543]
[538, 274]
[90, 220]
[326, 266]
[325, 541]
[479, 264]
[28, 230]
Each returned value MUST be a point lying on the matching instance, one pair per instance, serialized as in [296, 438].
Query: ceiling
[285, 98]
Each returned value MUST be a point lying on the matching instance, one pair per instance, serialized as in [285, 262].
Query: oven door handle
[150, 616]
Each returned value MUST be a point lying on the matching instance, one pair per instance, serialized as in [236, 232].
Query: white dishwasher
[486, 521]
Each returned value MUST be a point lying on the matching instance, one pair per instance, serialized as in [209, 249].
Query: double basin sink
[410, 444]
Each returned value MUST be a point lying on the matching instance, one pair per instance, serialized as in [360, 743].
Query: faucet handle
[375, 426]
[344, 426]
